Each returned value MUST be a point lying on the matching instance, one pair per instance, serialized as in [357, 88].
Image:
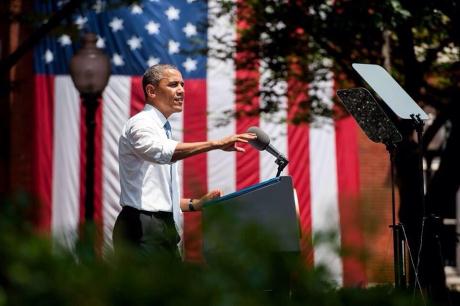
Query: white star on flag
[136, 9]
[153, 61]
[172, 13]
[134, 42]
[152, 27]
[100, 43]
[64, 40]
[80, 22]
[116, 24]
[189, 64]
[189, 30]
[49, 57]
[190, 1]
[117, 60]
[173, 47]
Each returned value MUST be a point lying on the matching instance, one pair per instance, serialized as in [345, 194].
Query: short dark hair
[154, 74]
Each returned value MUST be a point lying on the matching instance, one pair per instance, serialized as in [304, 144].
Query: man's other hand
[213, 194]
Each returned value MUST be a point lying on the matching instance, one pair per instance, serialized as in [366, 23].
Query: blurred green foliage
[33, 272]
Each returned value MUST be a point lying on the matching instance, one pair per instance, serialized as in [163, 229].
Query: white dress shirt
[145, 153]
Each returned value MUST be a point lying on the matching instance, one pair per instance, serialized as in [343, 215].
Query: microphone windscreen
[262, 140]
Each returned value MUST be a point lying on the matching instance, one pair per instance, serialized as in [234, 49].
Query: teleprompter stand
[379, 128]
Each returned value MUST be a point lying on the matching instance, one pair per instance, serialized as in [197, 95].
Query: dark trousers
[148, 232]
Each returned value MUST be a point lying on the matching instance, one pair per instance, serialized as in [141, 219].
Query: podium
[268, 208]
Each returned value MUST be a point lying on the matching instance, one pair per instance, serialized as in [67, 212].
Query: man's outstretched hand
[230, 143]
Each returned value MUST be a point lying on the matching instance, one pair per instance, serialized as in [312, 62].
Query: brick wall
[375, 211]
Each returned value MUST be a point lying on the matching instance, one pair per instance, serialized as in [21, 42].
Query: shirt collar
[157, 116]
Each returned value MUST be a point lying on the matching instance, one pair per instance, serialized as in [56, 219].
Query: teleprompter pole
[399, 251]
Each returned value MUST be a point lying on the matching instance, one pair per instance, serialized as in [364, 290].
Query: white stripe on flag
[278, 139]
[221, 98]
[275, 126]
[66, 163]
[324, 195]
[115, 112]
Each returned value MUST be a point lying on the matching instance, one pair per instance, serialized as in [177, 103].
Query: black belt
[158, 214]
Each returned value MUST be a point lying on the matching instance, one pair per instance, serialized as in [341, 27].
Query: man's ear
[150, 90]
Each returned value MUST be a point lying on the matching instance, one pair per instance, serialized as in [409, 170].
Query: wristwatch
[190, 205]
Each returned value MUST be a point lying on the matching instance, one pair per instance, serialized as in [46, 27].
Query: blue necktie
[167, 127]
[178, 219]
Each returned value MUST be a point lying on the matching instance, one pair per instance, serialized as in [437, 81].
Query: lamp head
[90, 67]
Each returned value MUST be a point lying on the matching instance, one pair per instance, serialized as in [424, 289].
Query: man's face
[168, 96]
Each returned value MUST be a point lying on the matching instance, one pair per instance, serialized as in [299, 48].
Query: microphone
[262, 142]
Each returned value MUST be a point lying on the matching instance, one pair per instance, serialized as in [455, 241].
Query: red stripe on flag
[299, 163]
[247, 164]
[247, 104]
[195, 129]
[43, 148]
[98, 193]
[299, 169]
[348, 186]
[82, 162]
[137, 95]
[195, 168]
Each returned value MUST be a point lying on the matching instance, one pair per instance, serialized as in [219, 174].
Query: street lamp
[90, 72]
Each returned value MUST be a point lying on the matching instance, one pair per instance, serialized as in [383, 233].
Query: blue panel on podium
[268, 206]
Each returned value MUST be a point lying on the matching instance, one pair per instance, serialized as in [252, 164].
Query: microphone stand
[282, 163]
[264, 144]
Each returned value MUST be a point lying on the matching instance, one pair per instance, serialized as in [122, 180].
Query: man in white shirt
[151, 216]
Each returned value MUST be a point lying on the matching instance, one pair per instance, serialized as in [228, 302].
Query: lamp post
[90, 72]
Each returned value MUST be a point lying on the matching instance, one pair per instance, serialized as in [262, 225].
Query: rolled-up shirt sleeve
[150, 145]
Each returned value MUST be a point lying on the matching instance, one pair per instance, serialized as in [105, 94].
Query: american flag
[323, 155]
